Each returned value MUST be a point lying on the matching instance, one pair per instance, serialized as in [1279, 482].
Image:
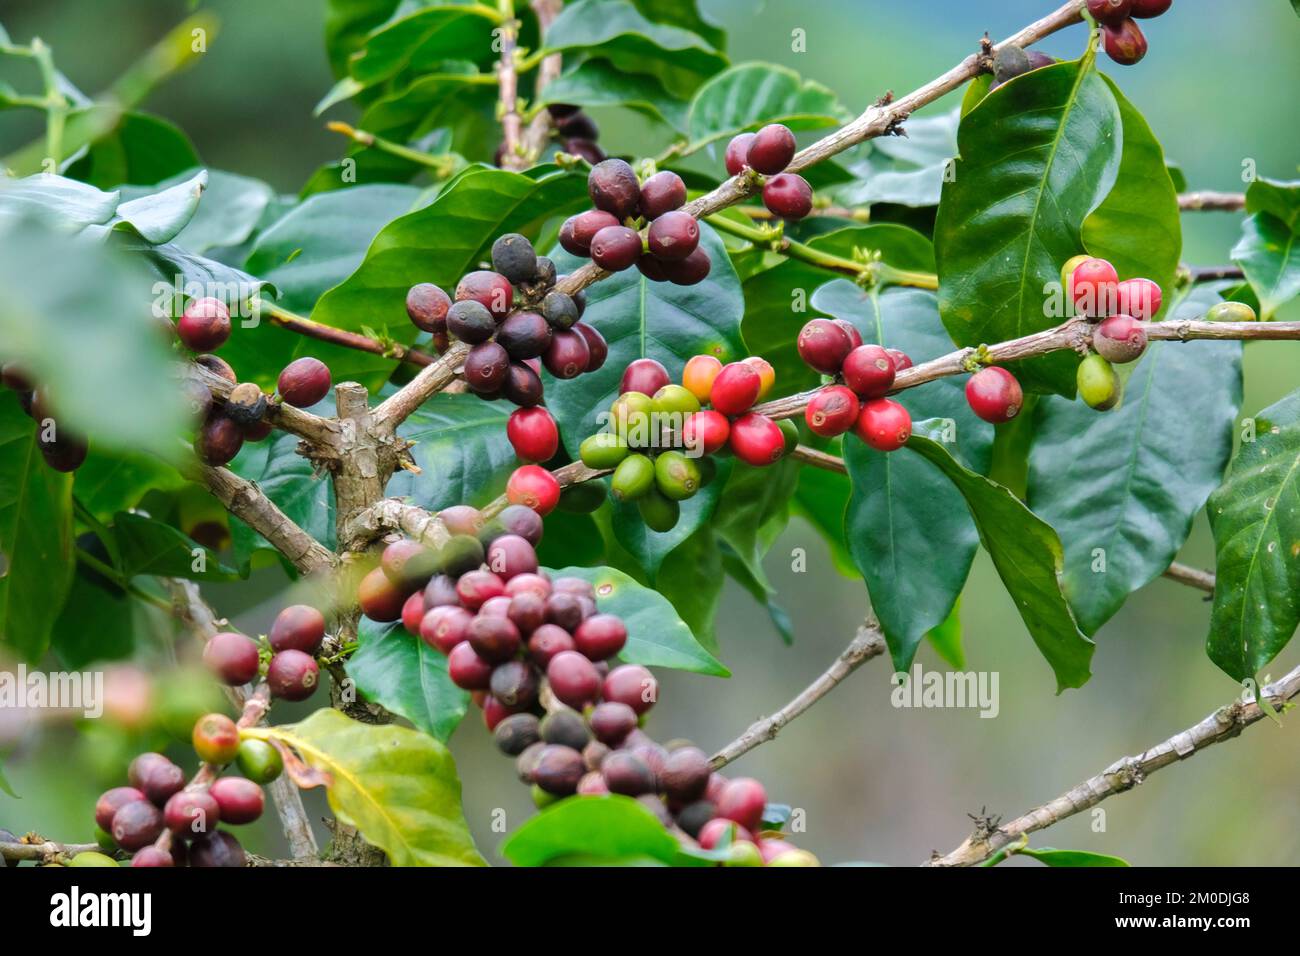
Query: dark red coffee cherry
[218, 849]
[633, 685]
[685, 774]
[466, 669]
[557, 769]
[527, 611]
[113, 800]
[756, 439]
[215, 739]
[564, 610]
[445, 626]
[585, 148]
[560, 309]
[535, 487]
[566, 727]
[652, 267]
[489, 289]
[232, 657]
[568, 355]
[477, 587]
[205, 325]
[522, 521]
[742, 801]
[523, 386]
[533, 434]
[1110, 11]
[292, 675]
[524, 335]
[240, 799]
[304, 382]
[300, 627]
[1124, 43]
[1146, 9]
[613, 187]
[601, 636]
[427, 305]
[547, 641]
[516, 733]
[626, 773]
[494, 639]
[611, 722]
[191, 812]
[578, 124]
[832, 411]
[738, 153]
[661, 193]
[510, 555]
[136, 824]
[692, 270]
[869, 371]
[883, 424]
[486, 368]
[515, 258]
[16, 378]
[597, 347]
[219, 441]
[380, 599]
[673, 236]
[573, 679]
[471, 322]
[644, 375]
[616, 248]
[771, 149]
[994, 395]
[515, 685]
[823, 345]
[155, 776]
[578, 231]
[788, 196]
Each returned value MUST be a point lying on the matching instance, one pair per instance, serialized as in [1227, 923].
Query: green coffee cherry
[542, 799]
[630, 415]
[91, 858]
[582, 498]
[633, 478]
[790, 432]
[676, 398]
[743, 853]
[259, 761]
[659, 512]
[1231, 312]
[105, 840]
[1099, 386]
[677, 476]
[602, 450]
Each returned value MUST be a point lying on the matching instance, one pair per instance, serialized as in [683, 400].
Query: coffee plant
[509, 406]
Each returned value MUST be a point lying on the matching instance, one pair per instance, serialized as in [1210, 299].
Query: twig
[762, 214]
[818, 459]
[321, 432]
[539, 129]
[508, 82]
[440, 165]
[428, 382]
[1215, 273]
[1192, 577]
[1206, 201]
[44, 850]
[351, 340]
[1126, 773]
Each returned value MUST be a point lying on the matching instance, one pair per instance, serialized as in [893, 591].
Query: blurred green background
[876, 783]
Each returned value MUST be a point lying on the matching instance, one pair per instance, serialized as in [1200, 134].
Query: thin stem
[56, 112]
[443, 165]
[763, 214]
[1192, 577]
[508, 82]
[1215, 273]
[1207, 201]
[818, 459]
[351, 340]
[539, 128]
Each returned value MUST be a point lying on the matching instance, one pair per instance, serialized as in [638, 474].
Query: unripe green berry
[1231, 312]
[1099, 386]
[676, 476]
[259, 761]
[633, 478]
[659, 512]
[602, 450]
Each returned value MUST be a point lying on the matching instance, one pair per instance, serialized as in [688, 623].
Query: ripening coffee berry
[466, 669]
[136, 824]
[534, 487]
[524, 335]
[675, 400]
[300, 627]
[661, 193]
[832, 411]
[538, 584]
[517, 519]
[673, 236]
[1008, 63]
[489, 289]
[823, 345]
[602, 450]
[494, 639]
[883, 424]
[994, 395]
[743, 853]
[616, 248]
[440, 592]
[215, 739]
[565, 610]
[901, 359]
[204, 326]
[788, 196]
[676, 476]
[65, 453]
[699, 373]
[738, 153]
[713, 832]
[600, 636]
[1099, 386]
[1146, 9]
[558, 769]
[516, 733]
[1110, 11]
[626, 773]
[240, 800]
[407, 564]
[869, 370]
[191, 812]
[259, 761]
[633, 685]
[151, 856]
[1124, 42]
[633, 478]
[218, 441]
[522, 385]
[685, 774]
[565, 727]
[445, 626]
[1139, 298]
[110, 801]
[486, 368]
[1230, 312]
[568, 355]
[559, 309]
[573, 678]
[1121, 338]
[155, 776]
[427, 305]
[514, 684]
[766, 374]
[578, 231]
[514, 257]
[510, 555]
[705, 432]
[1094, 287]
[742, 801]
[304, 382]
[471, 322]
[231, 657]
[735, 389]
[476, 587]
[533, 434]
[527, 610]
[771, 149]
[757, 440]
[217, 849]
[644, 375]
[547, 641]
[612, 721]
[292, 675]
[689, 271]
[380, 599]
[592, 784]
[613, 187]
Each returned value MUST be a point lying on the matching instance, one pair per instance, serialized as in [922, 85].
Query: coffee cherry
[204, 326]
[304, 382]
[600, 636]
[427, 305]
[613, 187]
[136, 824]
[478, 586]
[514, 684]
[883, 424]
[673, 236]
[558, 769]
[994, 395]
[527, 611]
[538, 584]
[689, 271]
[218, 441]
[245, 405]
[1146, 9]
[832, 411]
[633, 685]
[111, 801]
[302, 627]
[585, 148]
[566, 727]
[676, 476]
[869, 370]
[510, 555]
[524, 335]
[1008, 63]
[462, 553]
[1121, 338]
[514, 257]
[217, 849]
[486, 367]
[644, 375]
[1110, 11]
[522, 385]
[742, 801]
[743, 853]
[516, 733]
[771, 149]
[231, 657]
[547, 641]
[1099, 386]
[191, 812]
[1139, 298]
[633, 478]
[712, 833]
[494, 639]
[578, 587]
[1124, 43]
[698, 375]
[578, 231]
[16, 378]
[757, 440]
[215, 739]
[240, 800]
[662, 193]
[217, 366]
[823, 345]
[151, 856]
[445, 626]
[259, 761]
[440, 592]
[292, 675]
[560, 310]
[612, 721]
[535, 487]
[489, 289]
[1230, 312]
[692, 817]
[788, 196]
[626, 773]
[564, 610]
[766, 374]
[1094, 287]
[901, 359]
[602, 450]
[568, 354]
[1038, 60]
[737, 155]
[705, 432]
[616, 248]
[466, 669]
[735, 388]
[380, 599]
[155, 776]
[519, 520]
[533, 434]
[685, 774]
[471, 322]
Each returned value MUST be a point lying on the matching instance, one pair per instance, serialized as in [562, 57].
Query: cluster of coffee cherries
[157, 800]
[661, 435]
[609, 234]
[291, 671]
[576, 132]
[203, 328]
[1011, 61]
[1121, 37]
[769, 152]
[515, 321]
[61, 448]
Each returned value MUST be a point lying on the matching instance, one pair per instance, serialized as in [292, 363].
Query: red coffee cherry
[466, 669]
[577, 232]
[558, 769]
[533, 487]
[850, 330]
[612, 721]
[613, 187]
[735, 389]
[218, 849]
[573, 679]
[661, 193]
[742, 801]
[136, 824]
[832, 411]
[533, 434]
[626, 773]
[426, 306]
[494, 639]
[1124, 43]
[510, 555]
[547, 641]
[300, 627]
[445, 626]
[486, 368]
[494, 712]
[1094, 287]
[231, 657]
[994, 395]
[756, 439]
[569, 354]
[1121, 338]
[218, 441]
[292, 675]
[489, 289]
[771, 150]
[616, 248]
[215, 739]
[824, 345]
[869, 370]
[597, 347]
[1110, 11]
[240, 799]
[191, 812]
[738, 153]
[705, 432]
[601, 636]
[689, 271]
[644, 375]
[478, 586]
[673, 236]
[685, 774]
[538, 584]
[380, 599]
[156, 776]
[712, 832]
[407, 564]
[1146, 9]
[585, 148]
[113, 800]
[304, 382]
[633, 685]
[204, 326]
[1139, 298]
[901, 359]
[788, 196]
[413, 612]
[152, 856]
[883, 424]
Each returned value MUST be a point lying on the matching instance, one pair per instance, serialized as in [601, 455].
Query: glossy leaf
[906, 170]
[1269, 249]
[459, 105]
[151, 547]
[98, 623]
[691, 579]
[347, 24]
[751, 95]
[1052, 857]
[601, 83]
[421, 39]
[461, 449]
[5, 786]
[821, 498]
[110, 481]
[140, 149]
[405, 675]
[230, 208]
[754, 510]
[685, 14]
[602, 830]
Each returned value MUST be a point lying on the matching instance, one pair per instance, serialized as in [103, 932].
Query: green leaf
[908, 170]
[347, 24]
[160, 216]
[616, 30]
[5, 786]
[1269, 249]
[821, 499]
[603, 830]
[641, 319]
[1036, 159]
[98, 623]
[110, 481]
[417, 42]
[288, 479]
[1027, 555]
[35, 535]
[140, 149]
[601, 83]
[907, 527]
[229, 210]
[685, 14]
[751, 95]
[1052, 857]
[946, 639]
[656, 636]
[151, 547]
[405, 675]
[1255, 518]
[461, 104]
[1123, 488]
[396, 785]
[461, 449]
[691, 579]
[754, 510]
[1138, 227]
